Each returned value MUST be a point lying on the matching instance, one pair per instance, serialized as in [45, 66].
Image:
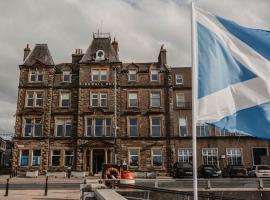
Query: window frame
[152, 157]
[129, 156]
[61, 99]
[228, 156]
[180, 104]
[37, 73]
[129, 75]
[34, 98]
[129, 99]
[212, 161]
[99, 74]
[188, 154]
[28, 158]
[33, 126]
[151, 99]
[160, 126]
[177, 77]
[179, 127]
[98, 99]
[39, 158]
[151, 75]
[64, 126]
[59, 157]
[129, 126]
[70, 156]
[66, 73]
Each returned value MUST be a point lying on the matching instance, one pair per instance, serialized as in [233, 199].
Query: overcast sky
[140, 26]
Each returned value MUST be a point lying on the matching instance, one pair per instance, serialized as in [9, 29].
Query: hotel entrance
[93, 158]
[98, 160]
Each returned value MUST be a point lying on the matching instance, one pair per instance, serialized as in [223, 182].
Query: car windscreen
[264, 167]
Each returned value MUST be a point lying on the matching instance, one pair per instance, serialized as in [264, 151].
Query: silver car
[260, 171]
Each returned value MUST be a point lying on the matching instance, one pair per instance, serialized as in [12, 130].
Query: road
[74, 184]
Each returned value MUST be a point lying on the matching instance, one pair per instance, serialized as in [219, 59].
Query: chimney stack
[162, 58]
[27, 50]
[76, 57]
[115, 45]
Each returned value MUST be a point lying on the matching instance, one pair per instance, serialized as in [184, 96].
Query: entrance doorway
[98, 160]
[257, 153]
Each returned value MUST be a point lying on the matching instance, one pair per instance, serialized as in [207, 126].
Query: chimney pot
[27, 50]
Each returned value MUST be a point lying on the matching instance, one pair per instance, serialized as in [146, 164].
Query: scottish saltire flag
[233, 75]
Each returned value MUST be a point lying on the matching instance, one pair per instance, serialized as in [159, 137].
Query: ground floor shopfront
[139, 155]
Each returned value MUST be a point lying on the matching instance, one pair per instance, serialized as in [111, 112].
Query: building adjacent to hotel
[97, 109]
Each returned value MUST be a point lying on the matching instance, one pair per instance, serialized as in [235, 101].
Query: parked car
[260, 171]
[235, 171]
[207, 171]
[181, 169]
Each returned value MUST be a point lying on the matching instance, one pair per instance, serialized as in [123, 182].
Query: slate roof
[100, 44]
[40, 54]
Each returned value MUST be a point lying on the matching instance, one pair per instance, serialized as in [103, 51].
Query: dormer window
[100, 55]
[66, 76]
[179, 79]
[35, 76]
[132, 75]
[154, 75]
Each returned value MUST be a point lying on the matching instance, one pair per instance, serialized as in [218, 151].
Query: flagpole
[194, 99]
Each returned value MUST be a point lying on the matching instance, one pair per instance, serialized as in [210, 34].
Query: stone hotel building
[97, 109]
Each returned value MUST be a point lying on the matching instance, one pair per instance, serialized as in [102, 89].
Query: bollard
[7, 187]
[46, 187]
[10, 173]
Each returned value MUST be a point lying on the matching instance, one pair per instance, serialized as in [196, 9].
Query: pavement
[39, 194]
[22, 188]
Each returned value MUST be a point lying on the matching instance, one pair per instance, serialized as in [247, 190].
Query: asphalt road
[172, 183]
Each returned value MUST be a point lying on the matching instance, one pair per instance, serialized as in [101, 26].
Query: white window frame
[34, 99]
[160, 126]
[65, 121]
[152, 157]
[61, 99]
[70, 156]
[179, 79]
[33, 126]
[99, 73]
[101, 98]
[132, 72]
[21, 157]
[60, 156]
[180, 125]
[180, 100]
[210, 154]
[129, 156]
[154, 72]
[129, 99]
[203, 130]
[229, 154]
[184, 153]
[129, 126]
[98, 99]
[66, 73]
[151, 99]
[39, 158]
[36, 73]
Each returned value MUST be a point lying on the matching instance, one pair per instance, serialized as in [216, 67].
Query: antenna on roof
[101, 26]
